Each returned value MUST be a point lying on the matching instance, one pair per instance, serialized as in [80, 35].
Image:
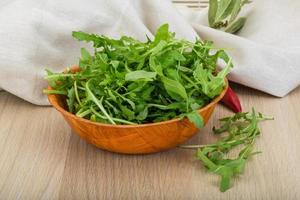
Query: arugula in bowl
[126, 81]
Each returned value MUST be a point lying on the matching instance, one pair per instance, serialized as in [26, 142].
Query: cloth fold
[35, 35]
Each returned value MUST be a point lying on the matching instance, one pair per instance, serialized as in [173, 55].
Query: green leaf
[196, 118]
[206, 161]
[176, 105]
[129, 114]
[216, 85]
[159, 47]
[236, 26]
[222, 14]
[212, 11]
[177, 56]
[216, 157]
[221, 54]
[126, 81]
[143, 114]
[240, 167]
[92, 97]
[146, 93]
[201, 75]
[71, 99]
[127, 100]
[81, 36]
[45, 91]
[115, 63]
[140, 75]
[211, 86]
[195, 106]
[174, 87]
[155, 67]
[170, 58]
[185, 69]
[112, 96]
[223, 9]
[85, 55]
[246, 2]
[246, 152]
[207, 150]
[235, 11]
[162, 33]
[226, 176]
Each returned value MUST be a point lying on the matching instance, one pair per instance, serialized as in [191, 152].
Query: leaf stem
[76, 93]
[53, 76]
[194, 146]
[84, 113]
[189, 80]
[46, 91]
[115, 119]
[98, 103]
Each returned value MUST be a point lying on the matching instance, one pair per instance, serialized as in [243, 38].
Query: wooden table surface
[40, 158]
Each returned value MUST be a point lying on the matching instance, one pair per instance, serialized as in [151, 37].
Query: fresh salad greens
[222, 14]
[242, 129]
[126, 81]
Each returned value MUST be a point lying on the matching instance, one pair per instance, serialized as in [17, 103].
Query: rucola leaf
[162, 33]
[174, 87]
[196, 118]
[140, 75]
[126, 81]
[215, 156]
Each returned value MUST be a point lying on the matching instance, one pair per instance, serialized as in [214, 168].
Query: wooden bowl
[133, 139]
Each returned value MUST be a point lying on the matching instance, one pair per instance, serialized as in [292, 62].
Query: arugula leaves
[242, 129]
[222, 14]
[140, 75]
[126, 81]
[194, 117]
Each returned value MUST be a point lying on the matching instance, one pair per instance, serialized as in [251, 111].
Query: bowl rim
[53, 101]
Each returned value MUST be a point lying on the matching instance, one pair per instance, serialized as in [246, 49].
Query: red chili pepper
[231, 100]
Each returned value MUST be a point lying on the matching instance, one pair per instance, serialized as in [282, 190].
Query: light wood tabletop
[40, 158]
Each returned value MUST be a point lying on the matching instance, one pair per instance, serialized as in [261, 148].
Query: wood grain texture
[33, 146]
[41, 159]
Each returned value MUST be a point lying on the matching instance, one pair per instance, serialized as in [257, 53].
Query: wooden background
[40, 158]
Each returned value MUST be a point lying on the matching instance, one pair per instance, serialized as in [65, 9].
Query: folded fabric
[36, 35]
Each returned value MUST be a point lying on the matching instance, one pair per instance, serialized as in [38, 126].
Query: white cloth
[36, 34]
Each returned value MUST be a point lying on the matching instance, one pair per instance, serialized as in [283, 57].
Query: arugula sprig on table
[242, 129]
[222, 14]
[126, 81]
